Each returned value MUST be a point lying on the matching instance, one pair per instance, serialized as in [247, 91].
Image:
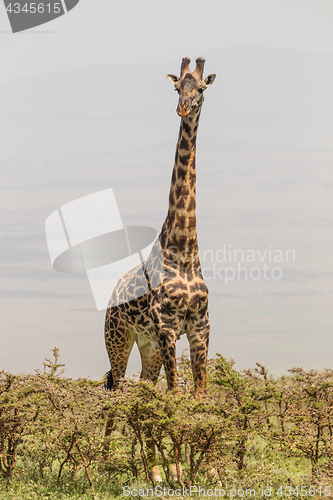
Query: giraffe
[179, 303]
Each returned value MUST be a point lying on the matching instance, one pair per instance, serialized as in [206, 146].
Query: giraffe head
[190, 86]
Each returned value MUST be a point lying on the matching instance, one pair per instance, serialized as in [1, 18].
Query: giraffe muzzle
[184, 108]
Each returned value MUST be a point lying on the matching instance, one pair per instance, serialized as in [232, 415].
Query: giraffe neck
[179, 232]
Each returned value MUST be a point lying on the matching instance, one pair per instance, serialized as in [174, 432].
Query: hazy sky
[132, 32]
[78, 115]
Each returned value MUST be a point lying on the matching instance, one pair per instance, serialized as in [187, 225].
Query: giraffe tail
[109, 381]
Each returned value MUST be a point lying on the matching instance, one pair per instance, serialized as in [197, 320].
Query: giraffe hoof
[156, 474]
[212, 474]
[173, 472]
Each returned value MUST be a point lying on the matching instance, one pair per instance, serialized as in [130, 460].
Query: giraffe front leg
[167, 342]
[151, 361]
[198, 337]
[166, 335]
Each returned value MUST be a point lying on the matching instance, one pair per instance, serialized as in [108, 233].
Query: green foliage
[64, 438]
[243, 398]
[168, 421]
[307, 417]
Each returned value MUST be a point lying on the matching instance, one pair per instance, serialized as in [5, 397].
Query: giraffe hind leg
[119, 342]
[151, 360]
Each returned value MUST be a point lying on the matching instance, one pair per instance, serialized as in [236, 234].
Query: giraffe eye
[201, 90]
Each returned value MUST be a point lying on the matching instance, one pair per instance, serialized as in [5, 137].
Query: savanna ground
[253, 436]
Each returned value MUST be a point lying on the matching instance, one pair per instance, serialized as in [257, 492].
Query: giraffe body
[178, 304]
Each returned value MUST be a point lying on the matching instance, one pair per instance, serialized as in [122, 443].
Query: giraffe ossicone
[179, 303]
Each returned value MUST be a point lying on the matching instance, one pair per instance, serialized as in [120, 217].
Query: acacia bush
[305, 411]
[168, 421]
[244, 398]
[18, 415]
[249, 427]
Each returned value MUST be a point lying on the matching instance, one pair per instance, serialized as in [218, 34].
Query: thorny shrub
[54, 427]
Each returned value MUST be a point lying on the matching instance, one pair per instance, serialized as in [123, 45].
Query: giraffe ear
[209, 80]
[172, 78]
